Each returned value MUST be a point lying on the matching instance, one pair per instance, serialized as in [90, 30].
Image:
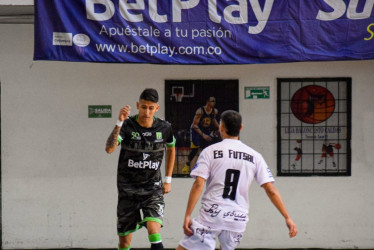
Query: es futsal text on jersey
[234, 155]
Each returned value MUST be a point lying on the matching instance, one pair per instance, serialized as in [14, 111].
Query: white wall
[16, 2]
[59, 186]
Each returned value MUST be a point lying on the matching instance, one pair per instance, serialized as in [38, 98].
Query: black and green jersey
[142, 151]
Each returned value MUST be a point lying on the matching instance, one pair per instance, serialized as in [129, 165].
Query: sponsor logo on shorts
[238, 237]
[201, 232]
[160, 210]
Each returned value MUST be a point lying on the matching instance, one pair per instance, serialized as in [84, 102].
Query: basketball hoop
[178, 92]
[178, 97]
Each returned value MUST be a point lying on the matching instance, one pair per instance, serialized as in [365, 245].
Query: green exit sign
[256, 92]
[100, 111]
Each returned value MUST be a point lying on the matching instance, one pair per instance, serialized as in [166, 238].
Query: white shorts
[204, 238]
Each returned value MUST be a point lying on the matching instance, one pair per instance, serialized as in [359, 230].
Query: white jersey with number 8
[228, 167]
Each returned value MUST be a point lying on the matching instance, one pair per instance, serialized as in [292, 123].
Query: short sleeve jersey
[206, 120]
[142, 151]
[229, 167]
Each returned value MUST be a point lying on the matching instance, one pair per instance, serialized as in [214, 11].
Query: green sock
[126, 248]
[154, 238]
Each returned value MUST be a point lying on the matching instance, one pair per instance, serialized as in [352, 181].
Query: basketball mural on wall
[184, 99]
[313, 104]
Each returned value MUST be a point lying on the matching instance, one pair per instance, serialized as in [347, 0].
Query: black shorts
[129, 218]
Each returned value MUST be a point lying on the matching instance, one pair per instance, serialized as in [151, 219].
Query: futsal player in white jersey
[228, 168]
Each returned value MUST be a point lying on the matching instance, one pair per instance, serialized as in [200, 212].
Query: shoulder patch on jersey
[194, 166]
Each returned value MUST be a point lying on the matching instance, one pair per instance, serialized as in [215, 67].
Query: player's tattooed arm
[112, 141]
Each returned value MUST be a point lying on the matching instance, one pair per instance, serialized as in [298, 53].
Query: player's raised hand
[124, 113]
[292, 227]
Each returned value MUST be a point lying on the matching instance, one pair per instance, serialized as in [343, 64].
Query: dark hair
[208, 98]
[149, 95]
[232, 122]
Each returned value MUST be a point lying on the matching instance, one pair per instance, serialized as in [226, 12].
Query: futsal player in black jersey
[143, 139]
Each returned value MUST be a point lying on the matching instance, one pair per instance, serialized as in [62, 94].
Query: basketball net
[178, 97]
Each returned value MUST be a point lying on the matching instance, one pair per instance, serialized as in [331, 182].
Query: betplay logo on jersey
[143, 164]
[145, 156]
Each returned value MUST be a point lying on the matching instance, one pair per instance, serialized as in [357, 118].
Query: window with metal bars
[314, 126]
